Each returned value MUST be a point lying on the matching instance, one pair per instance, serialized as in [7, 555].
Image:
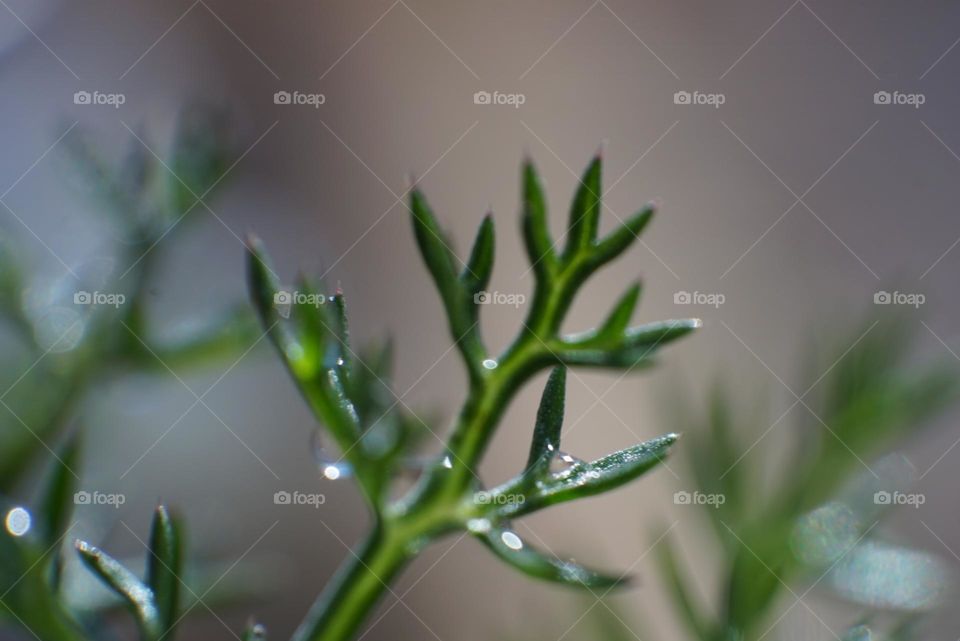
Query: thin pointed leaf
[476, 274]
[612, 332]
[137, 596]
[342, 330]
[639, 345]
[546, 430]
[458, 304]
[512, 549]
[582, 479]
[536, 229]
[619, 319]
[682, 594]
[619, 240]
[434, 248]
[164, 565]
[585, 211]
[56, 504]
[209, 341]
[264, 287]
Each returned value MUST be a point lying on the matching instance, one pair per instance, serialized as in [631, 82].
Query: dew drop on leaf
[330, 467]
[564, 462]
[511, 540]
[490, 363]
[478, 526]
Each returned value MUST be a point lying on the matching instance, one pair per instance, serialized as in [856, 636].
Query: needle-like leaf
[164, 566]
[546, 430]
[476, 274]
[56, 504]
[536, 229]
[582, 479]
[585, 211]
[507, 545]
[620, 239]
[137, 596]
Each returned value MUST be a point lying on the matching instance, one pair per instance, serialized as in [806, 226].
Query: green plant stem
[431, 508]
[355, 589]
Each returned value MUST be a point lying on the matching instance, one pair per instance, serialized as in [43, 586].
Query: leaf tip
[253, 242]
[601, 150]
[84, 548]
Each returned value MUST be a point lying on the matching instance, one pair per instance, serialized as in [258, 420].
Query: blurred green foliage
[787, 522]
[60, 347]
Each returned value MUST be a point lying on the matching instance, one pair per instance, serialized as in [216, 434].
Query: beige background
[878, 185]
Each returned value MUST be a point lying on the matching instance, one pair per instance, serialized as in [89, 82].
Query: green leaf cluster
[336, 382]
[817, 518]
[49, 376]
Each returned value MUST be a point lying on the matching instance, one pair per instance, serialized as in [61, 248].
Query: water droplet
[490, 363]
[340, 361]
[447, 463]
[330, 467]
[511, 540]
[478, 526]
[17, 521]
[332, 472]
[563, 462]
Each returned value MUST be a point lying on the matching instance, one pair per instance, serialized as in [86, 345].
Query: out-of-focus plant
[342, 387]
[62, 340]
[810, 519]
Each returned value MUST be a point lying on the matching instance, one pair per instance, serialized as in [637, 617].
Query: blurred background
[792, 193]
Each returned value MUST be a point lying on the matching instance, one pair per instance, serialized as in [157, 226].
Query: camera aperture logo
[98, 298]
[699, 98]
[698, 498]
[899, 498]
[914, 300]
[499, 298]
[714, 300]
[99, 98]
[498, 98]
[284, 299]
[899, 98]
[99, 498]
[299, 98]
[298, 498]
[486, 498]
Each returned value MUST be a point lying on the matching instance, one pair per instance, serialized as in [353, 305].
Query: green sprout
[449, 497]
